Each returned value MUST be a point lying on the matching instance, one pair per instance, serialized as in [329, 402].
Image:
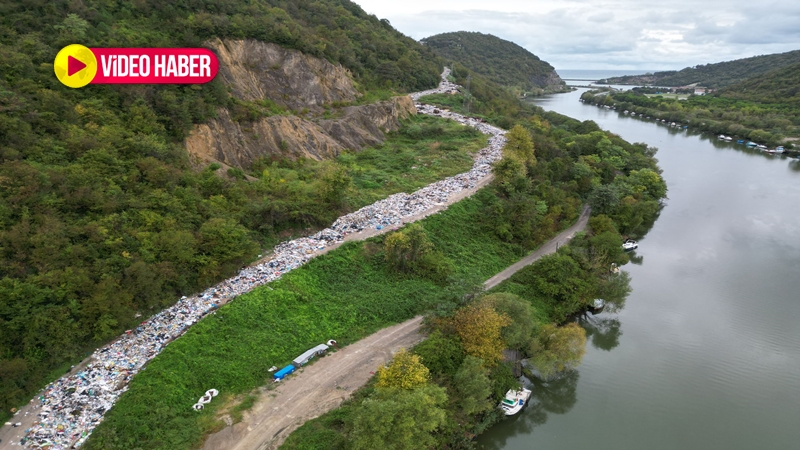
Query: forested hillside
[779, 86]
[501, 61]
[102, 219]
[714, 75]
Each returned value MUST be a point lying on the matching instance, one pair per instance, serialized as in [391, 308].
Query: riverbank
[704, 354]
[740, 119]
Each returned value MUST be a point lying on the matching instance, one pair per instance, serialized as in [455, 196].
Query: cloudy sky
[614, 34]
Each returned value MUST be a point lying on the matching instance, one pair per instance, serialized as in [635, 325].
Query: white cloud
[625, 34]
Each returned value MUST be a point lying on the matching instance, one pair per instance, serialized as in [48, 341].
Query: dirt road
[550, 247]
[327, 383]
[318, 388]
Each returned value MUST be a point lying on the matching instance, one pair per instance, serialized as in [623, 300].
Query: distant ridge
[780, 86]
[717, 75]
[501, 61]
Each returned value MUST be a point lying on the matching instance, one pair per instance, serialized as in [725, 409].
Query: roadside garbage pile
[445, 87]
[72, 406]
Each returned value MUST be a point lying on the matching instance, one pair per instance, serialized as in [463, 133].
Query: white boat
[514, 401]
[761, 147]
[721, 137]
[630, 244]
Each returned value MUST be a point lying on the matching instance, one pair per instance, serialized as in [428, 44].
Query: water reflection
[602, 332]
[556, 396]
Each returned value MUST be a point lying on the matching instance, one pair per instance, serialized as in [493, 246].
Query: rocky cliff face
[255, 71]
[550, 82]
[238, 145]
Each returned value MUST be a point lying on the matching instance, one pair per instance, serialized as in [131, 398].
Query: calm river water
[706, 353]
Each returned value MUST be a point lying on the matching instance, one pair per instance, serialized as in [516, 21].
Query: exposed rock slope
[256, 71]
[238, 145]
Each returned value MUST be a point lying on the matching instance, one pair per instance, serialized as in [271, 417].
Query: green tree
[480, 328]
[398, 419]
[517, 333]
[405, 248]
[649, 183]
[473, 386]
[442, 354]
[406, 371]
[604, 199]
[557, 349]
[519, 145]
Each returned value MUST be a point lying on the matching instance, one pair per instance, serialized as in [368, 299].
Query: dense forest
[781, 86]
[102, 217]
[714, 76]
[501, 61]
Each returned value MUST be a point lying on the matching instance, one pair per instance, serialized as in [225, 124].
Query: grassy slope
[427, 149]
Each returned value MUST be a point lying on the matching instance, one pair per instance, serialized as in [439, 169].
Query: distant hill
[713, 75]
[501, 61]
[780, 86]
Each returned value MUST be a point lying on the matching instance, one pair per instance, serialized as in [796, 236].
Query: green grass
[344, 295]
[425, 150]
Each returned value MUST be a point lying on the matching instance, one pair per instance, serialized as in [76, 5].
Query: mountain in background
[713, 75]
[780, 86]
[501, 61]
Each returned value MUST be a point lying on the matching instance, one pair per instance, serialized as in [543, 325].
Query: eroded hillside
[255, 71]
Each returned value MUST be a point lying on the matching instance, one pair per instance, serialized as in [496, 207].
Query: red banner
[154, 65]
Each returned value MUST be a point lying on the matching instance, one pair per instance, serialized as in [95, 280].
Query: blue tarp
[279, 375]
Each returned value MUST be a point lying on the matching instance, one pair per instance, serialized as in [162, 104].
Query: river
[706, 353]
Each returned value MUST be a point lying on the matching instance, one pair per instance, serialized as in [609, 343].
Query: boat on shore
[514, 401]
[629, 245]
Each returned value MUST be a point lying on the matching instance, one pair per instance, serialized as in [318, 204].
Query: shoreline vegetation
[427, 266]
[771, 124]
[459, 371]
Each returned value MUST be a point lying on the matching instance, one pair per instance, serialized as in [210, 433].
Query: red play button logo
[74, 66]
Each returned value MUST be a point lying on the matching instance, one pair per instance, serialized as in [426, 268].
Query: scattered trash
[72, 406]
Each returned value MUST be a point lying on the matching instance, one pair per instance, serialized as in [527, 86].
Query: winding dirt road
[324, 385]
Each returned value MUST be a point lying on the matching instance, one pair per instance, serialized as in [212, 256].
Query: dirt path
[318, 388]
[550, 247]
[324, 385]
